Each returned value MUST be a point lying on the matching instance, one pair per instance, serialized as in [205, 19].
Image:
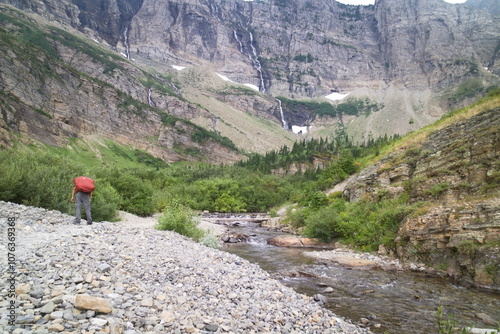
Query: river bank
[372, 290]
[127, 277]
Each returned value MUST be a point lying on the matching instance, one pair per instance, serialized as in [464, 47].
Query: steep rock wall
[416, 59]
[78, 89]
[454, 173]
[303, 47]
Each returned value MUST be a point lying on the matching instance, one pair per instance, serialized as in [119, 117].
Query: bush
[323, 224]
[210, 240]
[179, 218]
[105, 201]
[297, 216]
[38, 179]
[364, 224]
[135, 193]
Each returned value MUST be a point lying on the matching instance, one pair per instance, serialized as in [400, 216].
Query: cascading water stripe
[150, 100]
[125, 43]
[257, 65]
[238, 40]
[254, 56]
[283, 121]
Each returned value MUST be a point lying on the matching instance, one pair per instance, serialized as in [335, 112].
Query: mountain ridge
[415, 59]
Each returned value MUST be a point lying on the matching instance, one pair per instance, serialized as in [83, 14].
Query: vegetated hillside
[58, 84]
[449, 174]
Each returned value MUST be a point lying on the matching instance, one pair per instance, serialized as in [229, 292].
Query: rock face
[302, 47]
[85, 91]
[453, 165]
[403, 54]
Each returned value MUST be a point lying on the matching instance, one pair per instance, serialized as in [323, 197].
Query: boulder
[296, 241]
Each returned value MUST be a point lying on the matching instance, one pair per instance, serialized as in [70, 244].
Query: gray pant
[82, 198]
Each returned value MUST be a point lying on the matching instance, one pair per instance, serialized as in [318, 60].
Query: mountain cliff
[412, 59]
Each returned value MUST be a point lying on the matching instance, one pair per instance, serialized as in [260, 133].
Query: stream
[386, 301]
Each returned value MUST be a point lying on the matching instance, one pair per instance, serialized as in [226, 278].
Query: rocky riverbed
[127, 277]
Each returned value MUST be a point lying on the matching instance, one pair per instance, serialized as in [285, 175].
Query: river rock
[86, 302]
[296, 241]
[48, 308]
[23, 289]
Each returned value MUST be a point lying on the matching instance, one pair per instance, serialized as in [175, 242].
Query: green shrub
[314, 199]
[363, 224]
[105, 202]
[179, 218]
[467, 89]
[38, 179]
[323, 224]
[210, 240]
[135, 193]
[228, 203]
[296, 217]
[439, 189]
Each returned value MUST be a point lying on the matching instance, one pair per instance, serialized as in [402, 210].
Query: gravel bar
[126, 277]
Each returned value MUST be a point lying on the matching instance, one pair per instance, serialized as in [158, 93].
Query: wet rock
[320, 298]
[487, 319]
[231, 237]
[296, 241]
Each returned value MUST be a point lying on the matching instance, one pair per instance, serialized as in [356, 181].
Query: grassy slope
[416, 138]
[249, 132]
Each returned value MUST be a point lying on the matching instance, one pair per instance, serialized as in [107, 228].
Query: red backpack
[84, 184]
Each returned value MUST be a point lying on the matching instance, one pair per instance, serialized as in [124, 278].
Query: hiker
[83, 189]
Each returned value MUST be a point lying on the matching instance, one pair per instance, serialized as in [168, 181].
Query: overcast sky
[371, 2]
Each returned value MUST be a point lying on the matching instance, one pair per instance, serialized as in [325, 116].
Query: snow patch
[336, 96]
[252, 86]
[178, 68]
[223, 77]
[299, 129]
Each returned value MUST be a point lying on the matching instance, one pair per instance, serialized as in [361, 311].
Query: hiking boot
[89, 223]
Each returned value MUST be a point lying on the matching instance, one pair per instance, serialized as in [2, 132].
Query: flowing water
[392, 301]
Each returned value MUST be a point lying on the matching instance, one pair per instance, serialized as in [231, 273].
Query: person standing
[81, 194]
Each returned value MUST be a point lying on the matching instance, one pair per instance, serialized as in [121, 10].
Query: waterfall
[177, 91]
[150, 100]
[238, 40]
[283, 121]
[256, 62]
[254, 56]
[125, 43]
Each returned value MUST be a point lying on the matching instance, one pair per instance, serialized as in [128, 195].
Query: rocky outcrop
[310, 48]
[85, 91]
[462, 239]
[454, 174]
[403, 54]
